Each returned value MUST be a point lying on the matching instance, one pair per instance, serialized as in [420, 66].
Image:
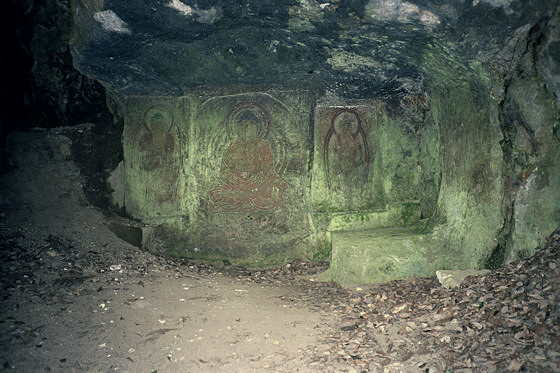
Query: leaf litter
[507, 320]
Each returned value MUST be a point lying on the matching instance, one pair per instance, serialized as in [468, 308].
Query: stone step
[404, 214]
[378, 256]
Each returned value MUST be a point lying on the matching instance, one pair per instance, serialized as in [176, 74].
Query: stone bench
[379, 255]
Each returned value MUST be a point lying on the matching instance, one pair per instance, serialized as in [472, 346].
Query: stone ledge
[378, 256]
[396, 215]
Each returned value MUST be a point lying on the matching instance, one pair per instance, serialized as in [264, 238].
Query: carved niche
[153, 158]
[252, 170]
[250, 178]
[346, 151]
[345, 154]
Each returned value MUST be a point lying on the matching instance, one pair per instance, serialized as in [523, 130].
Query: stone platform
[379, 255]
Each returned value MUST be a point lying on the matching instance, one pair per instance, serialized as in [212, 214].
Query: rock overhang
[356, 49]
[418, 84]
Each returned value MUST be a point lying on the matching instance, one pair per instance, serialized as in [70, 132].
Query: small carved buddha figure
[346, 152]
[157, 144]
[158, 158]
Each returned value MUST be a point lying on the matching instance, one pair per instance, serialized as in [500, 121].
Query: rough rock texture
[379, 255]
[449, 106]
[531, 113]
[359, 48]
[41, 85]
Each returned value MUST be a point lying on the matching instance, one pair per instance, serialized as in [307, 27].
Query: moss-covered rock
[532, 113]
[369, 115]
[379, 255]
[469, 202]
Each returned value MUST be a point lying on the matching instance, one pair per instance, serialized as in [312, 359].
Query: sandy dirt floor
[76, 298]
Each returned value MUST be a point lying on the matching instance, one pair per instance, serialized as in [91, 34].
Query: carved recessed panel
[153, 158]
[250, 173]
[252, 169]
[345, 156]
[346, 151]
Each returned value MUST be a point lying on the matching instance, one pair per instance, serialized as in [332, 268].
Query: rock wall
[469, 202]
[266, 175]
[531, 114]
[257, 130]
[48, 91]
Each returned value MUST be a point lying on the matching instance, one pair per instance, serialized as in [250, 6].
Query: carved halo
[248, 111]
[159, 111]
[333, 130]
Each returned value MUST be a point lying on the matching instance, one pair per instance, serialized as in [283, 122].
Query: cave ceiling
[356, 49]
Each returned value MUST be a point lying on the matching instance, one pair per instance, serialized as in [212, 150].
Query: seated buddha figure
[249, 181]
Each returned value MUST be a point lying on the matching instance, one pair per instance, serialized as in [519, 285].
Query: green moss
[535, 151]
[153, 135]
[322, 251]
[469, 203]
[395, 215]
[410, 213]
[379, 255]
[430, 162]
[399, 157]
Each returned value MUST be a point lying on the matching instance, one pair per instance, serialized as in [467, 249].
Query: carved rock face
[258, 128]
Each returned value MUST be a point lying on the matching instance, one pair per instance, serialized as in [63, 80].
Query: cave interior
[393, 138]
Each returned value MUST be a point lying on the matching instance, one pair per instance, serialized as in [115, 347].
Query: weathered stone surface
[359, 49]
[453, 278]
[249, 186]
[154, 142]
[379, 255]
[283, 123]
[531, 112]
[228, 175]
[398, 215]
[347, 159]
[468, 208]
[221, 175]
[366, 170]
